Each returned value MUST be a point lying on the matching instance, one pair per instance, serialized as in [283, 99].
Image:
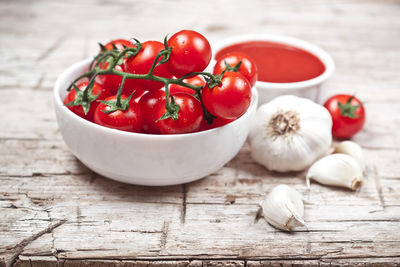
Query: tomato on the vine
[195, 80]
[230, 99]
[130, 120]
[97, 89]
[190, 115]
[348, 115]
[119, 44]
[148, 104]
[247, 67]
[111, 81]
[191, 52]
[141, 64]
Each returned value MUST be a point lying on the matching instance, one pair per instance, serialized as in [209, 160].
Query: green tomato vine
[116, 57]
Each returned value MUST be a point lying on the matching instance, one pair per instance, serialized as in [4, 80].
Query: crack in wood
[164, 235]
[78, 216]
[136, 231]
[204, 257]
[183, 210]
[374, 172]
[39, 83]
[20, 247]
[51, 48]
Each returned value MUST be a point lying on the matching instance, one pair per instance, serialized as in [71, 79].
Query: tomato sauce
[278, 63]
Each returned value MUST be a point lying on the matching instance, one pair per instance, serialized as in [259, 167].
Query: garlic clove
[337, 170]
[283, 208]
[352, 149]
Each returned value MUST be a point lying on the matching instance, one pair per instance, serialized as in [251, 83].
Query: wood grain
[56, 212]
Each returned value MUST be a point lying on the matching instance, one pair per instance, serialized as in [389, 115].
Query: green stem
[88, 88]
[119, 93]
[207, 74]
[155, 62]
[207, 115]
[85, 75]
[167, 102]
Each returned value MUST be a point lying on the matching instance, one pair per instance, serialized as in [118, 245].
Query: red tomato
[230, 99]
[148, 104]
[110, 81]
[348, 115]
[191, 52]
[97, 89]
[196, 80]
[189, 119]
[119, 44]
[129, 120]
[138, 95]
[217, 122]
[248, 67]
[141, 64]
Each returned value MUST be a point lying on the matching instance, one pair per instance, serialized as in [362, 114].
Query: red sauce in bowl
[278, 63]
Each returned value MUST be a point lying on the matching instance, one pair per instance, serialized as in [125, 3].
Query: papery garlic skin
[283, 208]
[352, 149]
[289, 133]
[337, 170]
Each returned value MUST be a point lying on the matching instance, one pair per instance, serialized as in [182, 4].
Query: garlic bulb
[283, 208]
[337, 170]
[290, 133]
[352, 149]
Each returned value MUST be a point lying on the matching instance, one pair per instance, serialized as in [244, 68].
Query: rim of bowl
[58, 102]
[321, 54]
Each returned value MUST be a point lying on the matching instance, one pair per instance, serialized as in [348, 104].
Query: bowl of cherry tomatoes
[153, 124]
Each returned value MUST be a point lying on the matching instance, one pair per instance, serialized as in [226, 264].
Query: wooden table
[54, 211]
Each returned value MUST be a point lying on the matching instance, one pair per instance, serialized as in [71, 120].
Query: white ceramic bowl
[147, 159]
[312, 89]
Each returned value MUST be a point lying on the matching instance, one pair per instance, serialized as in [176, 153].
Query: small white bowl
[147, 159]
[312, 89]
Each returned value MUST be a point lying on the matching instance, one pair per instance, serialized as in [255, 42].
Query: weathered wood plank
[56, 212]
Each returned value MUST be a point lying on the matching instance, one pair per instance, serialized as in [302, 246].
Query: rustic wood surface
[54, 211]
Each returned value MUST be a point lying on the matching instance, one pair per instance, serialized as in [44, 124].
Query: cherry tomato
[78, 110]
[148, 104]
[195, 80]
[110, 81]
[247, 68]
[137, 95]
[119, 44]
[190, 115]
[348, 115]
[217, 122]
[130, 120]
[191, 52]
[141, 64]
[230, 99]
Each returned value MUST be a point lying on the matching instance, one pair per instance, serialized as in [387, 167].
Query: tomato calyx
[84, 98]
[228, 67]
[166, 53]
[172, 110]
[347, 109]
[118, 103]
[115, 56]
[216, 80]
